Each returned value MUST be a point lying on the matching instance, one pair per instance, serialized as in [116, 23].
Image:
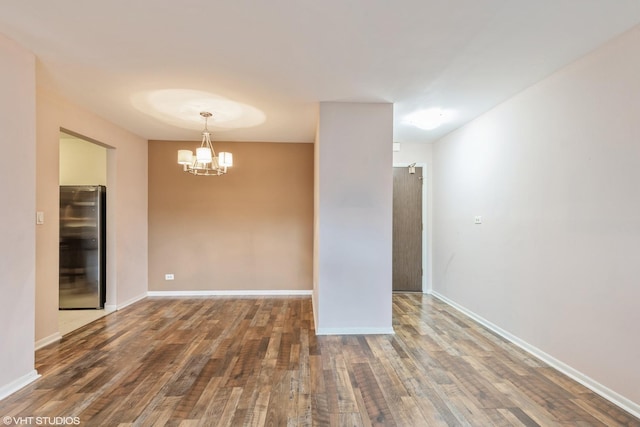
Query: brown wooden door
[407, 229]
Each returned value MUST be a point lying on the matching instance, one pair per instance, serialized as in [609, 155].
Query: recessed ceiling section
[182, 108]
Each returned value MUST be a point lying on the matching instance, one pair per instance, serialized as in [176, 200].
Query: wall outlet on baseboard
[477, 220]
[168, 277]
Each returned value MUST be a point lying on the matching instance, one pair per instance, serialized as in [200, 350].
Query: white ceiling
[281, 57]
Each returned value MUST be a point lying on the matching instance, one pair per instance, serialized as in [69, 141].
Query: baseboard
[16, 385]
[48, 340]
[354, 331]
[346, 331]
[613, 397]
[228, 293]
[126, 303]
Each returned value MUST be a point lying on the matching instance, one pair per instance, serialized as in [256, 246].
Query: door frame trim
[426, 272]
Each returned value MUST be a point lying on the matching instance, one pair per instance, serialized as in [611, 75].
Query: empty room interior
[320, 213]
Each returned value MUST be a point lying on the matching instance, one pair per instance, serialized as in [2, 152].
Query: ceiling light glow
[182, 107]
[428, 119]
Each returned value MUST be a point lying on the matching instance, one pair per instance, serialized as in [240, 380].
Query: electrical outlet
[477, 220]
[168, 277]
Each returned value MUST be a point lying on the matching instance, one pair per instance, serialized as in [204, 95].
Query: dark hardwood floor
[256, 361]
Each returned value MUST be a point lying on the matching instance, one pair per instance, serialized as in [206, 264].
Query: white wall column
[18, 213]
[353, 218]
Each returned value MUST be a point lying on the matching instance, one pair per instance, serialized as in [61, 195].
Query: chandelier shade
[185, 157]
[205, 161]
[225, 159]
[203, 155]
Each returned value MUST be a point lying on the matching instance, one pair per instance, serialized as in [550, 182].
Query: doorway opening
[82, 256]
[409, 234]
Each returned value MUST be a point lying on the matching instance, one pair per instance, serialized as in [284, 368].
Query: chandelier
[205, 162]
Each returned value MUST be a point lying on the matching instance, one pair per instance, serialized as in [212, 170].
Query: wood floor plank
[343, 385]
[227, 361]
[435, 414]
[278, 409]
[509, 417]
[206, 389]
[228, 412]
[320, 413]
[523, 402]
[213, 404]
[304, 415]
[365, 420]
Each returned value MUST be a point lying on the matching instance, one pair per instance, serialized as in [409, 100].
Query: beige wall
[248, 230]
[17, 215]
[554, 173]
[126, 206]
[82, 162]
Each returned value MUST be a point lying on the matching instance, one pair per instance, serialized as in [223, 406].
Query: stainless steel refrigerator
[82, 246]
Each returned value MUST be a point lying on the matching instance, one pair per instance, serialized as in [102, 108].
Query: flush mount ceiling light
[428, 119]
[205, 162]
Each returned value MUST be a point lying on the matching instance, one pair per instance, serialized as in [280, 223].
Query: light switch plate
[39, 217]
[477, 220]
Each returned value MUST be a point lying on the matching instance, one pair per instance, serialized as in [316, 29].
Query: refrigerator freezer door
[82, 251]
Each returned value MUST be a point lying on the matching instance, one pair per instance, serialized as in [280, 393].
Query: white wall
[353, 218]
[554, 172]
[17, 211]
[410, 152]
